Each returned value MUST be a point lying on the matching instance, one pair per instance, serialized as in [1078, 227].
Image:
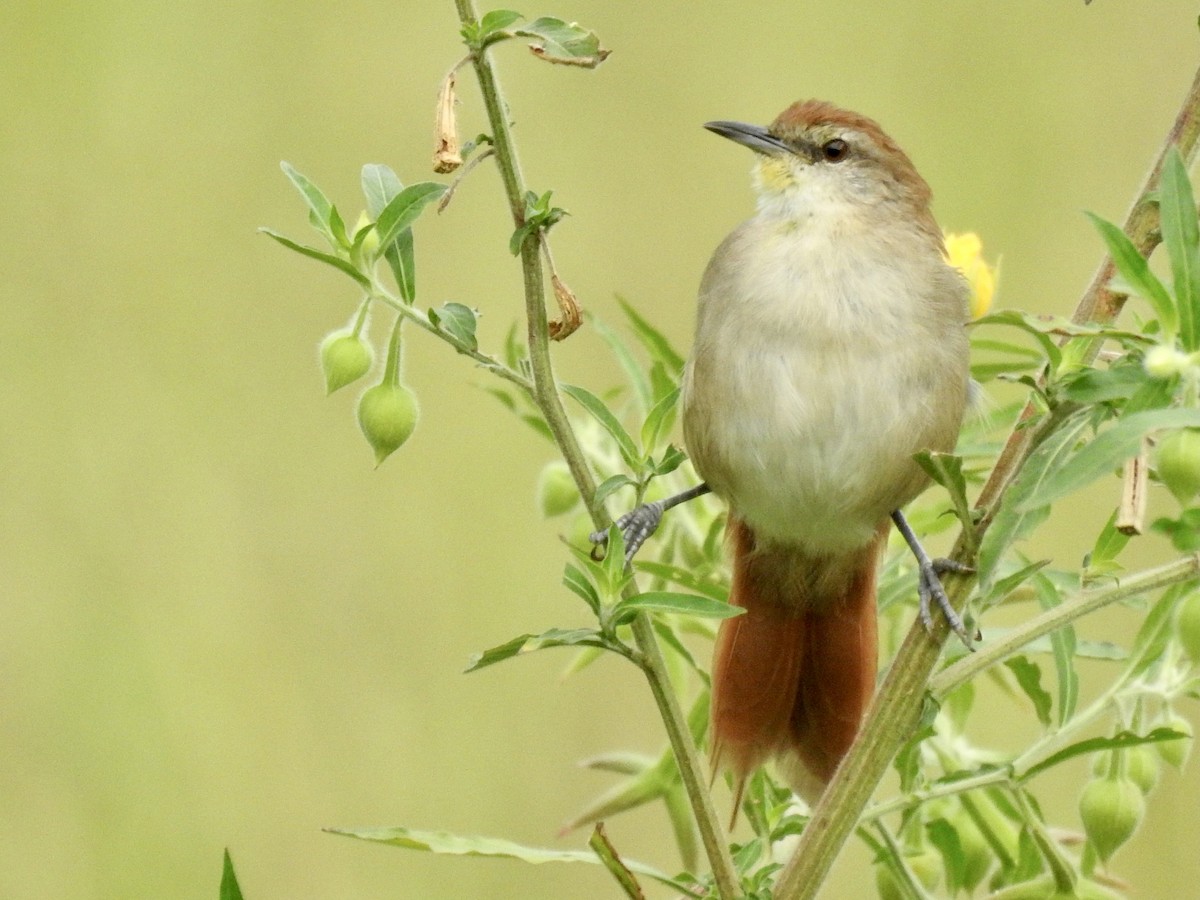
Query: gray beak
[756, 137]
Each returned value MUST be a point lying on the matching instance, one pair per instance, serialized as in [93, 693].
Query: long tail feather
[793, 676]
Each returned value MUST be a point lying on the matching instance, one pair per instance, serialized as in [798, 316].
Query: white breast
[820, 366]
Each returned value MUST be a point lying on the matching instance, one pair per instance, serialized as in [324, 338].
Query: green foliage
[963, 818]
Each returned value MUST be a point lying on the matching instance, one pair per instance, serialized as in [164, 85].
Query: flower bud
[1140, 765]
[345, 358]
[1176, 752]
[1110, 809]
[1178, 463]
[1164, 362]
[556, 490]
[387, 415]
[1187, 626]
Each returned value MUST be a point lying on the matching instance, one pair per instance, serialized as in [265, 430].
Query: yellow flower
[965, 253]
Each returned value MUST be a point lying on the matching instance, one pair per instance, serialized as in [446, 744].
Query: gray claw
[929, 588]
[636, 526]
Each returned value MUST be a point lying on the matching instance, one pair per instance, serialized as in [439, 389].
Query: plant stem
[546, 395]
[897, 707]
[1086, 602]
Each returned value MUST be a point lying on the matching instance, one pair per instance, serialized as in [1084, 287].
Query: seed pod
[447, 155]
[1178, 463]
[387, 415]
[1110, 809]
[1176, 752]
[556, 490]
[345, 358]
[1187, 626]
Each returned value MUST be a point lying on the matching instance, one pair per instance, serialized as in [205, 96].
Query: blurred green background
[222, 626]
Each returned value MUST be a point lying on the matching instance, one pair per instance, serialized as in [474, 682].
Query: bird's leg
[929, 584]
[642, 521]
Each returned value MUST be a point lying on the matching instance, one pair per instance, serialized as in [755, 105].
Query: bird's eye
[835, 150]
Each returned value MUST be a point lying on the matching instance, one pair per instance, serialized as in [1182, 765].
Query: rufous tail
[792, 676]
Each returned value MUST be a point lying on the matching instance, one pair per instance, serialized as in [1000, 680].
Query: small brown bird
[829, 349]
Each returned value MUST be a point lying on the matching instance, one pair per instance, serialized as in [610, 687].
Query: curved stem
[546, 395]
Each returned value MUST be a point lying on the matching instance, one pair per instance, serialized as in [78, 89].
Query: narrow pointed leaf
[1029, 677]
[1107, 452]
[404, 208]
[1092, 745]
[659, 421]
[528, 643]
[1015, 521]
[464, 845]
[318, 203]
[329, 259]
[1181, 235]
[1133, 266]
[653, 339]
[608, 422]
[230, 890]
[379, 185]
[671, 602]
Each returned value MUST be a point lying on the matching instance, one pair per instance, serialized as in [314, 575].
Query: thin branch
[545, 393]
[1183, 569]
[897, 707]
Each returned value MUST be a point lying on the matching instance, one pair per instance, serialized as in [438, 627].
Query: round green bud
[1044, 888]
[1164, 362]
[1110, 809]
[926, 864]
[387, 415]
[556, 490]
[1141, 765]
[1178, 463]
[1176, 752]
[1187, 626]
[345, 358]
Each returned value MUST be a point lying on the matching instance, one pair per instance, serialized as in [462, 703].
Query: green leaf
[653, 340]
[1134, 268]
[659, 421]
[1181, 235]
[1088, 386]
[672, 458]
[612, 484]
[458, 321]
[1118, 741]
[947, 470]
[528, 643]
[578, 582]
[496, 20]
[379, 186]
[634, 370]
[330, 260]
[1109, 543]
[684, 577]
[565, 43]
[229, 883]
[1062, 641]
[1009, 583]
[1029, 677]
[1030, 324]
[608, 422]
[404, 208]
[1154, 633]
[672, 602]
[1014, 521]
[462, 845]
[944, 837]
[1107, 451]
[318, 204]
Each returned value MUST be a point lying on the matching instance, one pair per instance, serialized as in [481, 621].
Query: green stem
[1086, 602]
[545, 394]
[897, 708]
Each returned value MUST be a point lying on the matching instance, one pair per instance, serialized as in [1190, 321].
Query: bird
[829, 348]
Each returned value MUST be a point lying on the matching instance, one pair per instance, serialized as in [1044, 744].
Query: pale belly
[813, 445]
